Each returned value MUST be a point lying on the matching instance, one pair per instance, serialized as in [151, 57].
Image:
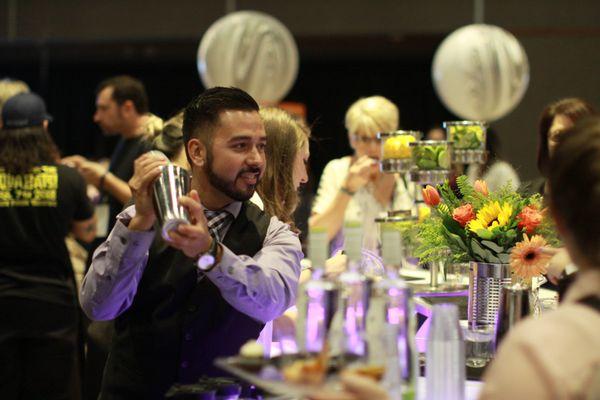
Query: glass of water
[479, 345]
[457, 274]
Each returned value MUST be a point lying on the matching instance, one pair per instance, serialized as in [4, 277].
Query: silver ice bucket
[514, 306]
[172, 183]
[485, 285]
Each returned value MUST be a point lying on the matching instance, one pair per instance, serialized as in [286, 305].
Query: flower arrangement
[492, 227]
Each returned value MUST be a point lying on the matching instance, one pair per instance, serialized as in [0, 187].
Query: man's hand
[360, 173]
[335, 265]
[73, 161]
[192, 239]
[557, 264]
[145, 170]
[90, 170]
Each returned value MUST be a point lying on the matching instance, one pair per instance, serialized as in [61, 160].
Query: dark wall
[348, 49]
[67, 74]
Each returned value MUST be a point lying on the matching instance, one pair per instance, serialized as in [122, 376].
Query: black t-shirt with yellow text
[36, 210]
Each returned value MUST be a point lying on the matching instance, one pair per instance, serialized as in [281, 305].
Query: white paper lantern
[252, 51]
[480, 72]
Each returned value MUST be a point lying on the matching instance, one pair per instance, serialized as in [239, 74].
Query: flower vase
[534, 283]
[485, 284]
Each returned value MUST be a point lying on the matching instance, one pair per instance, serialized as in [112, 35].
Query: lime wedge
[426, 164]
[443, 159]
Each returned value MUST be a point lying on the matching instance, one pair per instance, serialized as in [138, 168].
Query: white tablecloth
[472, 389]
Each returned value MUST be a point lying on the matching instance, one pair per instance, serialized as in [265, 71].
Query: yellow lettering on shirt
[38, 188]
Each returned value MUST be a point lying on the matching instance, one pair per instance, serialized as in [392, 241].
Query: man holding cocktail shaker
[199, 294]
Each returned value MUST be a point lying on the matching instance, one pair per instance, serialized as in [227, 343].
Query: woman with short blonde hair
[352, 188]
[372, 114]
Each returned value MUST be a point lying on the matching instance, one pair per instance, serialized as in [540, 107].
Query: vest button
[185, 364]
[188, 337]
[192, 307]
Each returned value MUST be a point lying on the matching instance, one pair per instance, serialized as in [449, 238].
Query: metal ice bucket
[485, 285]
[514, 307]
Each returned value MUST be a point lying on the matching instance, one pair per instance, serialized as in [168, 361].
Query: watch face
[206, 261]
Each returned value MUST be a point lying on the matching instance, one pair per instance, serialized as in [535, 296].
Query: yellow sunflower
[490, 216]
[527, 259]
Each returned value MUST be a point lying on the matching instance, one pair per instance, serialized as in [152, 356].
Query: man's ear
[197, 152]
[127, 108]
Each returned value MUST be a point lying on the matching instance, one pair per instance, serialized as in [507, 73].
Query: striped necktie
[218, 221]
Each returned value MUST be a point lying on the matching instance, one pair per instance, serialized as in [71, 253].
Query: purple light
[394, 315]
[315, 327]
[353, 328]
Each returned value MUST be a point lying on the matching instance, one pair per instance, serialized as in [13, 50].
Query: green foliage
[441, 232]
[448, 196]
[548, 230]
[435, 240]
[409, 232]
[470, 195]
[464, 186]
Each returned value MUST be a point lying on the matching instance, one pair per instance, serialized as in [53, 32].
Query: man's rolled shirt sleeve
[265, 285]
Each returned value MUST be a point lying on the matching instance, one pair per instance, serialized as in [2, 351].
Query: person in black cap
[40, 202]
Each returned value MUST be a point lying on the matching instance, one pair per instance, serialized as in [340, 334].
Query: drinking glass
[479, 345]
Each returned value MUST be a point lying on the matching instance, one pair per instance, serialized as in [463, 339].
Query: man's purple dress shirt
[263, 286]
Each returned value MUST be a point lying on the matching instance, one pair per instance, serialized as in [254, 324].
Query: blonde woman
[352, 188]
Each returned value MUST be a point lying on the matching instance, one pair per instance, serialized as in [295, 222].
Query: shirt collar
[232, 208]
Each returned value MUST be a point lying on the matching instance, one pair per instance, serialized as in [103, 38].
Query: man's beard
[226, 187]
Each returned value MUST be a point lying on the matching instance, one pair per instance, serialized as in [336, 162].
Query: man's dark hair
[127, 88]
[201, 115]
[574, 177]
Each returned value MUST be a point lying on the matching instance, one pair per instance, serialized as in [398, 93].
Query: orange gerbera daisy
[527, 259]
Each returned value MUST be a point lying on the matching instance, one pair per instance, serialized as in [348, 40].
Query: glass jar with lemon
[396, 153]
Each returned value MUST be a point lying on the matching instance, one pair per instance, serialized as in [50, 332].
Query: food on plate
[372, 371]
[310, 371]
[252, 349]
[251, 356]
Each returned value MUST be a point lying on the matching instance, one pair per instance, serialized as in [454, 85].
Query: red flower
[431, 197]
[481, 187]
[463, 214]
[529, 219]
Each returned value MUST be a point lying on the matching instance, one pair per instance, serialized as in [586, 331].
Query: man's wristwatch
[207, 260]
